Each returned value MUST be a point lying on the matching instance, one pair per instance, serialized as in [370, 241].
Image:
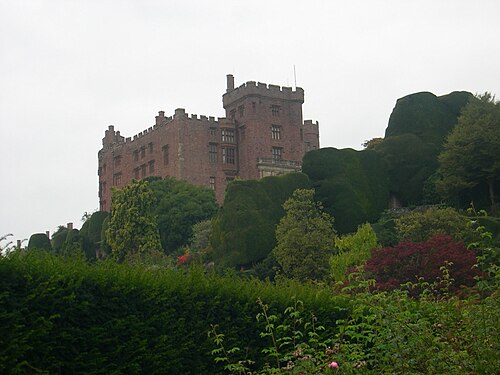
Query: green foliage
[244, 229]
[39, 241]
[178, 205]
[132, 227]
[471, 155]
[353, 250]
[420, 225]
[352, 185]
[409, 162]
[417, 128]
[91, 233]
[304, 237]
[426, 116]
[65, 315]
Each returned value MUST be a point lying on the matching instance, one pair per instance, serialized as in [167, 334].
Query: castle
[262, 135]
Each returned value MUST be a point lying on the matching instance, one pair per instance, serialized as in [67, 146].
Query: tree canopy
[305, 238]
[178, 205]
[471, 153]
[132, 225]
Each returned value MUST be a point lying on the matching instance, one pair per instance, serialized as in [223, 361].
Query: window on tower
[275, 110]
[275, 132]
[277, 153]
[228, 135]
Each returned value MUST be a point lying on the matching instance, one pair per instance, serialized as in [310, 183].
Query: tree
[305, 237]
[39, 241]
[471, 153]
[178, 206]
[132, 226]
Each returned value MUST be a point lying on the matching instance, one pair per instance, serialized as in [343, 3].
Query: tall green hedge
[244, 229]
[352, 185]
[65, 316]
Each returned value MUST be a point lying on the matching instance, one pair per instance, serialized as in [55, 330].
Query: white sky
[70, 68]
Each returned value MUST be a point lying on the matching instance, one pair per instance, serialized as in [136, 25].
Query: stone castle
[263, 134]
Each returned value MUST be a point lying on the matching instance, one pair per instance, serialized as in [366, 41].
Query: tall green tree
[305, 238]
[471, 153]
[178, 206]
[132, 226]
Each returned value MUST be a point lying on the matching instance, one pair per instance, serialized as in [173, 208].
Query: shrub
[393, 266]
[420, 225]
[354, 250]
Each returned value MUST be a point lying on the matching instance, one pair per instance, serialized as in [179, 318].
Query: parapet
[252, 88]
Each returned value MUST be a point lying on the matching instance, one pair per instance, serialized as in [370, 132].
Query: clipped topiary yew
[405, 262]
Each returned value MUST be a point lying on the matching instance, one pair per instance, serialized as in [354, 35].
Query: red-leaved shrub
[393, 266]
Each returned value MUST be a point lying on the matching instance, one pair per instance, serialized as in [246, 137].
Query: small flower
[333, 365]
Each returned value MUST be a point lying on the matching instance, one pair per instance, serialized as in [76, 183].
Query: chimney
[47, 234]
[230, 82]
[70, 226]
[18, 244]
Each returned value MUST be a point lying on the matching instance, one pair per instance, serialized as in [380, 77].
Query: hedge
[67, 316]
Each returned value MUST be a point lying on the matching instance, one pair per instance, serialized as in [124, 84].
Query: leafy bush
[393, 266]
[353, 250]
[420, 225]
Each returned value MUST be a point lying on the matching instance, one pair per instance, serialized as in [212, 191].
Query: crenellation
[194, 117]
[211, 118]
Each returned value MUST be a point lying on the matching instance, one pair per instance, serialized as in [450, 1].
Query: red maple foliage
[393, 266]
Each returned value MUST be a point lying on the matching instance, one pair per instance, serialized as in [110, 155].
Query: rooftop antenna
[294, 77]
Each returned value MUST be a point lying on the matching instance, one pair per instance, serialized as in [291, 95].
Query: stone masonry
[262, 135]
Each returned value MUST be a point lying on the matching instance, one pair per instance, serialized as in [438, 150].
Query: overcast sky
[70, 68]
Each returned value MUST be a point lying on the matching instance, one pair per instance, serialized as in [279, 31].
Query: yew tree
[305, 238]
[471, 153]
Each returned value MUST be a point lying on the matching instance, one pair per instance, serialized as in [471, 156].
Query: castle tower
[268, 120]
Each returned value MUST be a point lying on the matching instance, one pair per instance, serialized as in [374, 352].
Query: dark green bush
[244, 229]
[39, 241]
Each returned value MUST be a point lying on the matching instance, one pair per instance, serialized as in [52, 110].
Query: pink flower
[333, 365]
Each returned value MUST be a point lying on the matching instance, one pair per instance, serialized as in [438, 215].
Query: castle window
[143, 170]
[136, 155]
[213, 132]
[241, 110]
[150, 147]
[275, 110]
[254, 106]
[275, 132]
[151, 166]
[117, 179]
[104, 168]
[277, 153]
[143, 152]
[228, 155]
[232, 114]
[212, 153]
[136, 173]
[228, 135]
[212, 183]
[117, 160]
[165, 154]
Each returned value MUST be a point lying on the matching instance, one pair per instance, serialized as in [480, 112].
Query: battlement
[252, 88]
[311, 123]
[113, 138]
